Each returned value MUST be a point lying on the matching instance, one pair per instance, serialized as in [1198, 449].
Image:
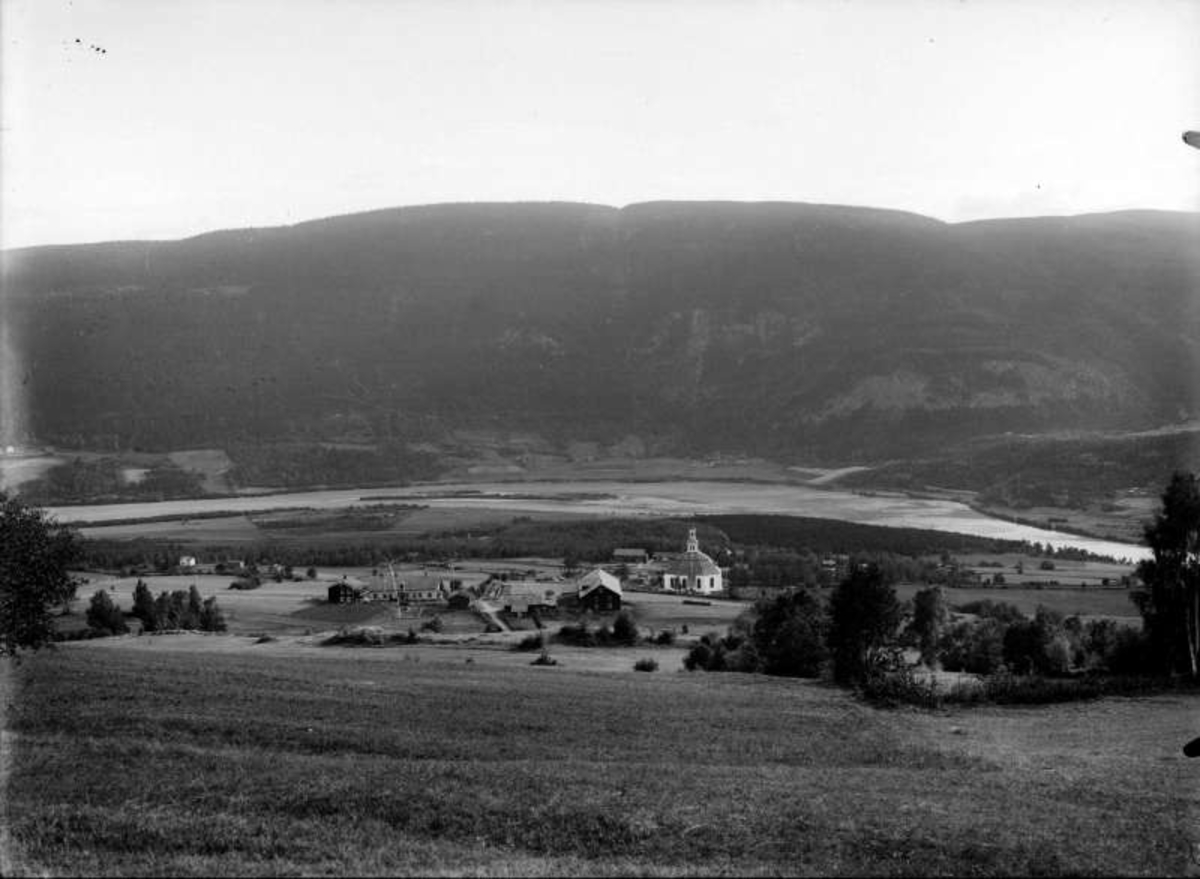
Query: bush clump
[646, 665]
[357, 636]
[624, 629]
[733, 652]
[973, 646]
[531, 642]
[622, 633]
[104, 617]
[176, 610]
[576, 635]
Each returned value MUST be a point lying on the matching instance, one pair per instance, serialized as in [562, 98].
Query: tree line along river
[616, 498]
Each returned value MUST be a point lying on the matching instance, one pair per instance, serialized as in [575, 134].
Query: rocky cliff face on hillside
[801, 332]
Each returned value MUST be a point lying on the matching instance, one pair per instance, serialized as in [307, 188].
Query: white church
[692, 572]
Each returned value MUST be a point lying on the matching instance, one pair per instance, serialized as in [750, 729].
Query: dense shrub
[993, 610]
[531, 642]
[863, 617]
[104, 617]
[177, 610]
[646, 665]
[665, 638]
[700, 656]
[211, 617]
[623, 633]
[357, 636]
[143, 606]
[900, 687]
[624, 629]
[576, 635]
[789, 635]
[780, 636]
[973, 646]
[1041, 645]
[929, 618]
[1130, 653]
[733, 652]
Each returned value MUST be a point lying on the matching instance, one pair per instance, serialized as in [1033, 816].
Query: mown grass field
[127, 761]
[1090, 603]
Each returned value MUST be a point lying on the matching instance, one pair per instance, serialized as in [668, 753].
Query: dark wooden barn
[342, 593]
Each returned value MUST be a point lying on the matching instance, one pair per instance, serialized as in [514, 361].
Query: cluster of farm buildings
[691, 572]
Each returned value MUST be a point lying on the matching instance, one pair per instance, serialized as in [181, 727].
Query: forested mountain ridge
[798, 332]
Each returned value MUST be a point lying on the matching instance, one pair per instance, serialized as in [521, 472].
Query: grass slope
[125, 763]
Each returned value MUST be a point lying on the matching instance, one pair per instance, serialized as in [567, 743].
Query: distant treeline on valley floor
[757, 549]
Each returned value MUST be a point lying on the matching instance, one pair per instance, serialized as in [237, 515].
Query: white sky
[206, 114]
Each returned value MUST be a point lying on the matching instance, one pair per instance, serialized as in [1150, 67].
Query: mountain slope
[796, 331]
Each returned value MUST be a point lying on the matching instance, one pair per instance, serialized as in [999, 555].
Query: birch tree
[1170, 598]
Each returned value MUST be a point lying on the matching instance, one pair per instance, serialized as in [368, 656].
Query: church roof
[693, 563]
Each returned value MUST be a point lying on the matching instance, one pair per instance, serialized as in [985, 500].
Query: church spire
[693, 545]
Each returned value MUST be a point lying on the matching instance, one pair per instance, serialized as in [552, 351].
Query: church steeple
[693, 545]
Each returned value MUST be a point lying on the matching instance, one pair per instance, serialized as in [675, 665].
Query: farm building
[693, 571]
[380, 590]
[423, 589]
[599, 591]
[343, 593]
[631, 556]
[526, 596]
[406, 588]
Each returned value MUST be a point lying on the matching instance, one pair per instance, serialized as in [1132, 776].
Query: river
[617, 498]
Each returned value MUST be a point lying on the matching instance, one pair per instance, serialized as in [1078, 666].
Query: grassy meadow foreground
[130, 757]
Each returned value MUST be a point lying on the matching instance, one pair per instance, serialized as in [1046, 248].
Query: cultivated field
[311, 525]
[1084, 603]
[126, 758]
[1071, 588]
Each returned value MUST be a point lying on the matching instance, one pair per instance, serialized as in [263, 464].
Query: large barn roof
[531, 589]
[595, 579]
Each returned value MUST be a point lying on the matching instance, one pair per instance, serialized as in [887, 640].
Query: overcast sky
[138, 119]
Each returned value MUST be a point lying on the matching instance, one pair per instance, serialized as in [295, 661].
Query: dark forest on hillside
[800, 332]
